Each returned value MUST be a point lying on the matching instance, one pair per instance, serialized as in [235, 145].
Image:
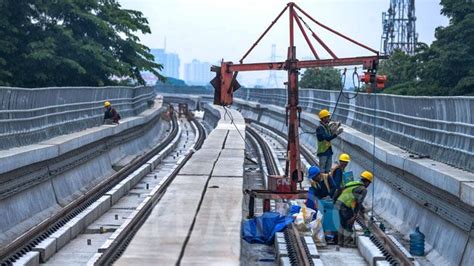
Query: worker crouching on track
[325, 135]
[322, 186]
[111, 116]
[349, 203]
[338, 171]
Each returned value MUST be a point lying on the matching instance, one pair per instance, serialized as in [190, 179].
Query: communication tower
[399, 31]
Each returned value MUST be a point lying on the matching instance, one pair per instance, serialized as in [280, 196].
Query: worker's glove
[339, 131]
[333, 126]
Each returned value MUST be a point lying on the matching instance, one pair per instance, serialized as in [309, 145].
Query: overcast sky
[209, 30]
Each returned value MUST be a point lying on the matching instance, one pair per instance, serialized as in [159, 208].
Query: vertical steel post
[293, 153]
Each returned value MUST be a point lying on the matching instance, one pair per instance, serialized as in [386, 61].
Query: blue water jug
[417, 243]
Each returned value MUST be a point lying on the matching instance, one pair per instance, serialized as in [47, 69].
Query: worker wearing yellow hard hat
[349, 203]
[111, 116]
[338, 171]
[325, 135]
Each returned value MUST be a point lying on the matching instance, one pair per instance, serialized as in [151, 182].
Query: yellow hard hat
[344, 157]
[367, 176]
[107, 104]
[324, 113]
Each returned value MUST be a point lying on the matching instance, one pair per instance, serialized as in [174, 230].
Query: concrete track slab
[78, 251]
[160, 239]
[206, 154]
[229, 167]
[344, 256]
[108, 221]
[232, 153]
[216, 234]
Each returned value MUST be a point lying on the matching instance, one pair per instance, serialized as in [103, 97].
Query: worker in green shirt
[349, 203]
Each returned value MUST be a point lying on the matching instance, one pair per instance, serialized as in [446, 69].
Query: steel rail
[299, 252]
[28, 240]
[120, 243]
[390, 249]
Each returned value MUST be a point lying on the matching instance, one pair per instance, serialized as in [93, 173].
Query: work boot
[349, 242]
[340, 239]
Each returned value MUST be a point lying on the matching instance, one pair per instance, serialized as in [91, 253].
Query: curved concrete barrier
[398, 197]
[34, 202]
[441, 128]
[29, 116]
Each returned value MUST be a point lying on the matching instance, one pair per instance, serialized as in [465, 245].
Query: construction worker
[325, 135]
[349, 203]
[111, 116]
[322, 186]
[337, 171]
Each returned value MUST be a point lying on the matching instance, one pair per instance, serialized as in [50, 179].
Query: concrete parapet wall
[439, 127]
[29, 116]
[400, 210]
[30, 206]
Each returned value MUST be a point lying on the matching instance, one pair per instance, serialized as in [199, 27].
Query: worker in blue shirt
[338, 170]
[322, 186]
[325, 135]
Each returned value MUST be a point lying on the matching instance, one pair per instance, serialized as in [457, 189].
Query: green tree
[326, 78]
[71, 43]
[444, 68]
[399, 68]
[448, 64]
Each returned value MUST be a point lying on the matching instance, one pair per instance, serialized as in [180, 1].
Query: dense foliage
[326, 78]
[71, 43]
[444, 68]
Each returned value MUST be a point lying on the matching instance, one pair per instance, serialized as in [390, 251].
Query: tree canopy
[71, 43]
[326, 78]
[444, 68]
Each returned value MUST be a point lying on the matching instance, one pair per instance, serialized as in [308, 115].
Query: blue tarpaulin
[262, 229]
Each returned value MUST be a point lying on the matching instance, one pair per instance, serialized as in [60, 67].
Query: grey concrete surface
[30, 259]
[18, 157]
[78, 251]
[31, 115]
[229, 167]
[215, 238]
[27, 208]
[46, 248]
[449, 247]
[440, 127]
[369, 251]
[161, 237]
[441, 175]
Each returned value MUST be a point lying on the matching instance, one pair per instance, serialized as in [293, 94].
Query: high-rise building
[170, 62]
[197, 73]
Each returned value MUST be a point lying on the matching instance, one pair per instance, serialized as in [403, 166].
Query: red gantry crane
[225, 84]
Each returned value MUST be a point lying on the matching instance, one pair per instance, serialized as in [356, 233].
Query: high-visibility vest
[324, 145]
[347, 197]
